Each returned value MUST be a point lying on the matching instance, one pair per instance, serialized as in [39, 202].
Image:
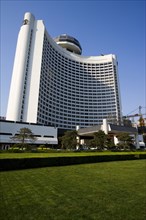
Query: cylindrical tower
[20, 69]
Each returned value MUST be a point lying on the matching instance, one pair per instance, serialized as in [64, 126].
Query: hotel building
[53, 84]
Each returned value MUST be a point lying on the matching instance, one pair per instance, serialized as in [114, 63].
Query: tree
[127, 122]
[141, 122]
[110, 142]
[144, 138]
[99, 140]
[142, 127]
[125, 139]
[89, 143]
[69, 141]
[24, 134]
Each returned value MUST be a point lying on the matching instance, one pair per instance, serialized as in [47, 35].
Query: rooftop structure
[69, 43]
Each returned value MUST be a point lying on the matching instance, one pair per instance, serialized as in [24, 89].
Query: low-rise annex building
[108, 128]
[44, 134]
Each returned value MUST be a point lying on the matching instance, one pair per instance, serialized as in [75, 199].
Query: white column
[82, 141]
[137, 141]
[116, 141]
[105, 126]
[77, 137]
[19, 69]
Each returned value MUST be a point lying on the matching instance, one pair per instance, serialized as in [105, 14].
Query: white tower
[26, 71]
[20, 69]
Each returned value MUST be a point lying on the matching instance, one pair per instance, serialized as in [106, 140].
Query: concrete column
[105, 126]
[78, 142]
[137, 141]
[77, 138]
[116, 141]
[82, 141]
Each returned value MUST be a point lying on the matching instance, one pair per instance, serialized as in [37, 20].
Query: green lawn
[103, 191]
[62, 154]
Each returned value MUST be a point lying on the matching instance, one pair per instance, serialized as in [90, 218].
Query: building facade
[53, 84]
[112, 130]
[45, 135]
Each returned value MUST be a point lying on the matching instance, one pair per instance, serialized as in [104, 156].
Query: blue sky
[102, 27]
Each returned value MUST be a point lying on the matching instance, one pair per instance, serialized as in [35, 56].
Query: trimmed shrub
[25, 163]
[15, 149]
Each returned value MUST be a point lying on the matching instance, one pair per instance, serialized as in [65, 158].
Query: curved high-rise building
[52, 83]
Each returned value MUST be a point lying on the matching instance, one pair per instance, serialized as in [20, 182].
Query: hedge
[26, 163]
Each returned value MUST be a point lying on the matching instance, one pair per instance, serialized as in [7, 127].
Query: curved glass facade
[74, 92]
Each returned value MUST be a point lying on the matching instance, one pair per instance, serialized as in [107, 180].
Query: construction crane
[131, 116]
[135, 115]
[139, 114]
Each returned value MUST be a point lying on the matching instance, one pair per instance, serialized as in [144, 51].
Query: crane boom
[130, 116]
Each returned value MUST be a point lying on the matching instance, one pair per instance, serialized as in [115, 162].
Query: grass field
[62, 154]
[103, 191]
